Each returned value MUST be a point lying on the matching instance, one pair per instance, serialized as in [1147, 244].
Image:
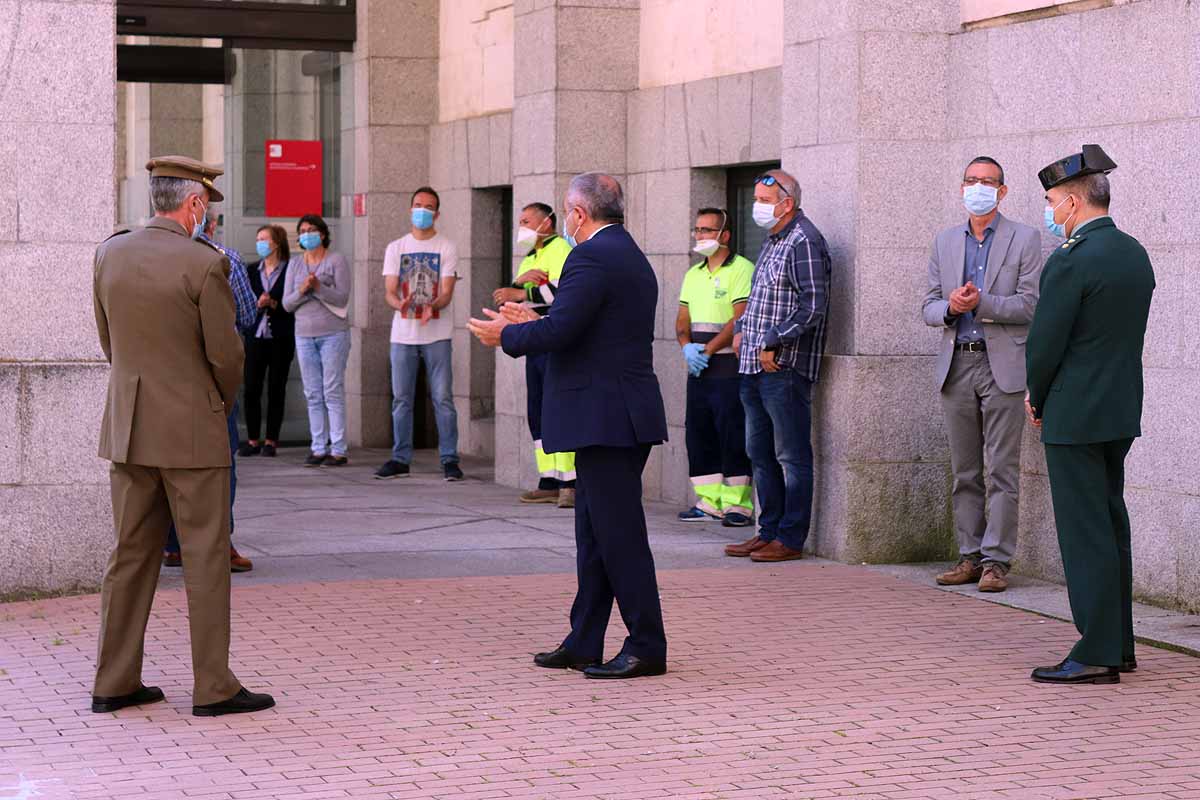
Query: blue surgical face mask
[310, 240]
[980, 199]
[422, 219]
[566, 235]
[198, 228]
[263, 248]
[1054, 227]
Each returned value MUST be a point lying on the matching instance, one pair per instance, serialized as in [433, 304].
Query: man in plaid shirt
[246, 306]
[779, 342]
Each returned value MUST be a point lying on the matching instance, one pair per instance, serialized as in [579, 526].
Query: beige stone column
[395, 92]
[575, 67]
[864, 128]
[57, 157]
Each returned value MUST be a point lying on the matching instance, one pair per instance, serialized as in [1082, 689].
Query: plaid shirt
[789, 301]
[239, 282]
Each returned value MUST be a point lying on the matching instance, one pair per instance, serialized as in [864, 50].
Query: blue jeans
[779, 442]
[323, 371]
[405, 361]
[231, 425]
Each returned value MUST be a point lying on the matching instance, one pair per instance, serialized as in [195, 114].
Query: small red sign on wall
[293, 178]
[360, 205]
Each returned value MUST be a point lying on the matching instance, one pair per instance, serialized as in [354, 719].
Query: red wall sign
[293, 178]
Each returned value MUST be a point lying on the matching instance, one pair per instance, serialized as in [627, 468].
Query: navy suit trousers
[613, 557]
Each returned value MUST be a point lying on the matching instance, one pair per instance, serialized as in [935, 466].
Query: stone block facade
[875, 106]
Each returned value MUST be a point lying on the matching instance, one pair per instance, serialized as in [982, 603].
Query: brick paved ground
[807, 680]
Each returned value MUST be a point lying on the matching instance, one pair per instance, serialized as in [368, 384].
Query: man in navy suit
[603, 402]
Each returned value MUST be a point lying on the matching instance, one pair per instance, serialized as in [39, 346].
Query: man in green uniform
[1084, 364]
[536, 284]
[713, 296]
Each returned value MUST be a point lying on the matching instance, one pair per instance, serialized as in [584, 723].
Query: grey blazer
[1006, 302]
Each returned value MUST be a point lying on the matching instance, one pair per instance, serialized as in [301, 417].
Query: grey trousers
[984, 425]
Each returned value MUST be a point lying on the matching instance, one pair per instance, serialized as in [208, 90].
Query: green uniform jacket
[1084, 354]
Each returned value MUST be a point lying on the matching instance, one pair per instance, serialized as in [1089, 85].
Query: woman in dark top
[271, 345]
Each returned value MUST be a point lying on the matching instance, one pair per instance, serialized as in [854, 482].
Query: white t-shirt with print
[421, 266]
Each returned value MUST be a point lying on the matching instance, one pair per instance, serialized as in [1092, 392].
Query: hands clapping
[964, 299]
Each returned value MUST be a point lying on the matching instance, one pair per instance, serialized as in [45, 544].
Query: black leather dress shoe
[626, 666]
[144, 695]
[1128, 666]
[1074, 672]
[241, 703]
[562, 658]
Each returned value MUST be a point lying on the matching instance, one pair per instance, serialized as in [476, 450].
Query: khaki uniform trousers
[145, 500]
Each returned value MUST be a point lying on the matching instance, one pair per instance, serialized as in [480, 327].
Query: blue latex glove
[696, 360]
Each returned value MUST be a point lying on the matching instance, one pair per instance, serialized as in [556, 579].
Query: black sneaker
[314, 460]
[336, 461]
[392, 469]
[451, 472]
[247, 449]
[268, 451]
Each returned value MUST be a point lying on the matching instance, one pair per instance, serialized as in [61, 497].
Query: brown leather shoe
[540, 496]
[776, 551]
[993, 579]
[566, 498]
[745, 548]
[965, 571]
[238, 562]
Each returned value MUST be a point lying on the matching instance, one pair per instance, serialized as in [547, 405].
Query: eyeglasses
[702, 231]
[985, 181]
[770, 180]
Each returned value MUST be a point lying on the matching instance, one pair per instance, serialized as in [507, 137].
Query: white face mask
[527, 239]
[706, 247]
[764, 214]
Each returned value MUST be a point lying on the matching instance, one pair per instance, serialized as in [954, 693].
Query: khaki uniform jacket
[165, 315]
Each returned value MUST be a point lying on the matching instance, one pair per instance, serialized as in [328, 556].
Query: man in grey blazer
[983, 287]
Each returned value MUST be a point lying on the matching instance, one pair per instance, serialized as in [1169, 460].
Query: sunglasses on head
[770, 180]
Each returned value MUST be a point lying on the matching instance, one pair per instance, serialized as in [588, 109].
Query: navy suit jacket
[600, 385]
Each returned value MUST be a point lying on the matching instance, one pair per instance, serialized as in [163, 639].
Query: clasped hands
[696, 358]
[964, 298]
[425, 312]
[488, 331]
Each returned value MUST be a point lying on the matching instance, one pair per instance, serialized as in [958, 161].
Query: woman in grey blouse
[318, 293]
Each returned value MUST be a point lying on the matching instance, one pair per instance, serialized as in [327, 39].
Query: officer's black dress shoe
[562, 658]
[241, 703]
[143, 696]
[626, 666]
[1128, 666]
[1074, 672]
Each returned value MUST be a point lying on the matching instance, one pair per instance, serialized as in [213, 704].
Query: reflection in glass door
[278, 102]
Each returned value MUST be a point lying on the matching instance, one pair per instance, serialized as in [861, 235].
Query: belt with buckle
[971, 347]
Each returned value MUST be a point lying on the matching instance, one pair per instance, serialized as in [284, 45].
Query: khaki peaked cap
[188, 169]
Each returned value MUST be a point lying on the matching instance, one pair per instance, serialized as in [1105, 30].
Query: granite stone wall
[885, 102]
[57, 176]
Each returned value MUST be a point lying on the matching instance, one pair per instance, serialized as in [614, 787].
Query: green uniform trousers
[1087, 484]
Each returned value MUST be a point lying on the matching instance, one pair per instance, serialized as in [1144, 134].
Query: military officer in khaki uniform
[165, 315]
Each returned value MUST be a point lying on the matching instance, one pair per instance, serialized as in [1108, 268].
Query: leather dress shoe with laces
[776, 551]
[243, 702]
[1069, 671]
[143, 696]
[626, 666]
[744, 549]
[562, 658]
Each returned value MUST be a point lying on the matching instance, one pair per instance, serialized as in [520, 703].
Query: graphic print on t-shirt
[420, 278]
